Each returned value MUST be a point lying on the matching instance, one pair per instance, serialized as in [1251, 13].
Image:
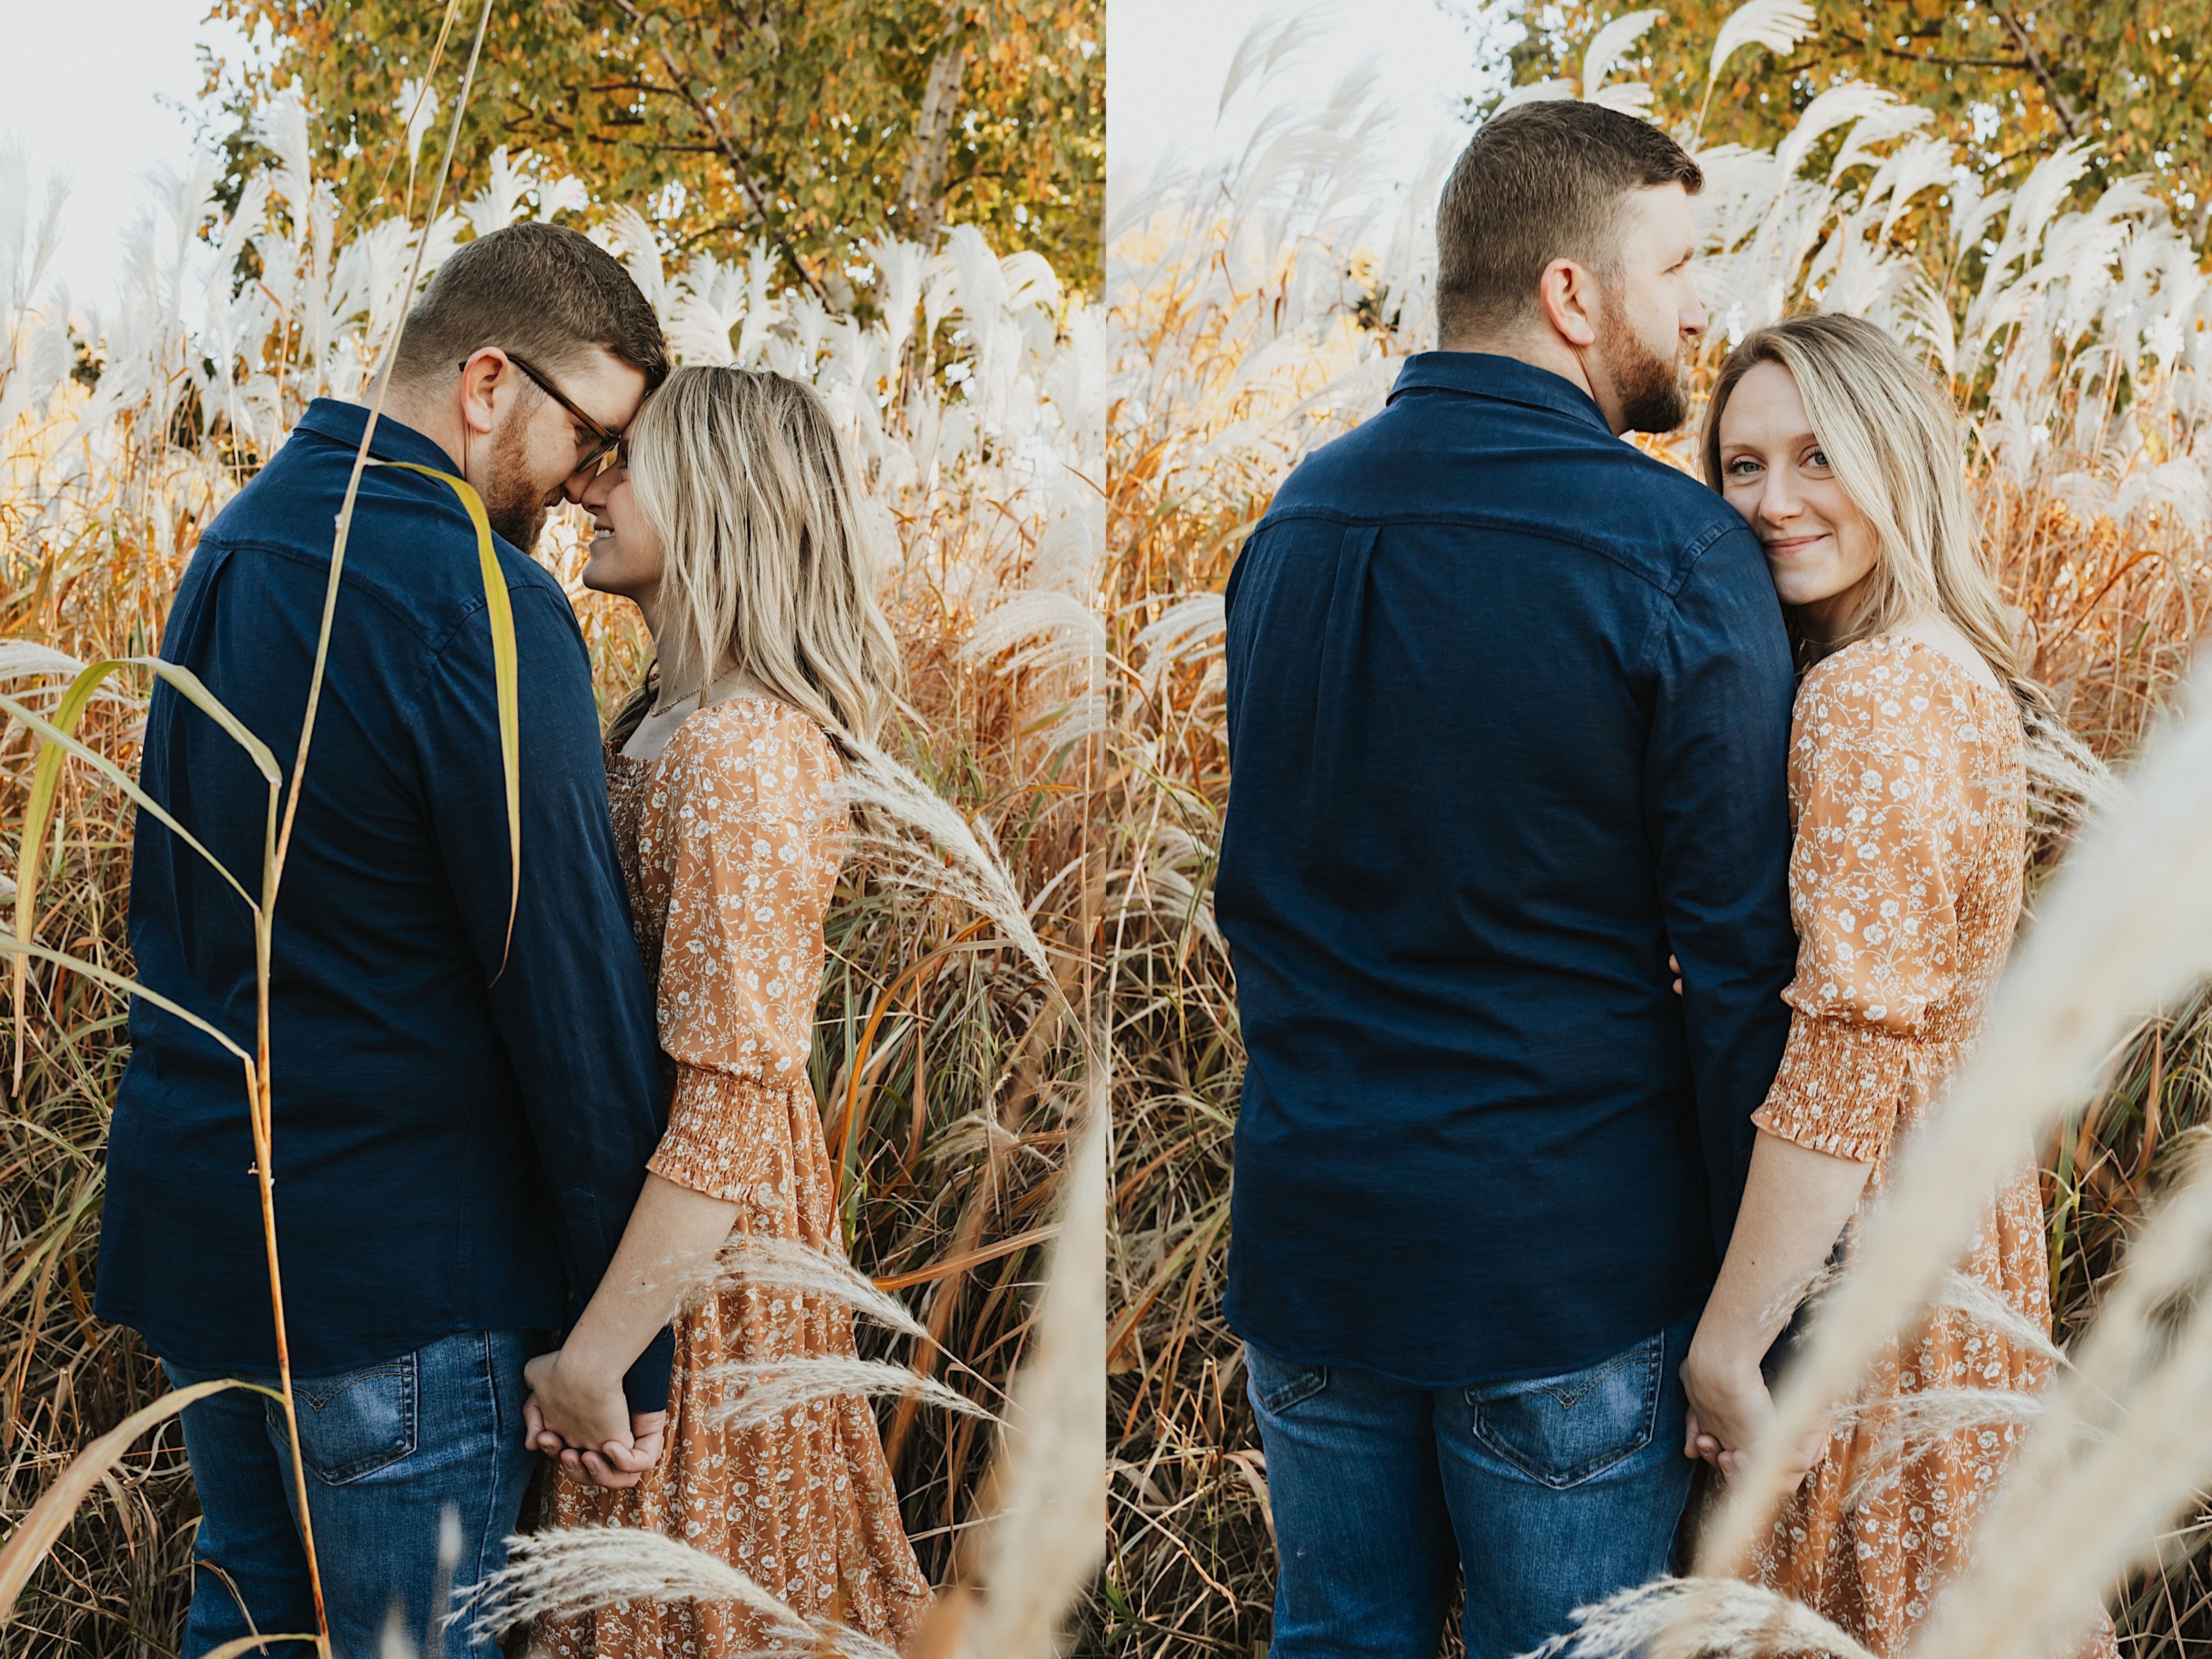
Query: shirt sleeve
[759, 831]
[1875, 915]
[1717, 807]
[568, 995]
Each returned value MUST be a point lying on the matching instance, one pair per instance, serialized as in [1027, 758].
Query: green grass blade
[108, 770]
[499, 611]
[108, 976]
[45, 784]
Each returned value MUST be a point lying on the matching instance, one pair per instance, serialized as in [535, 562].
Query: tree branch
[755, 197]
[2068, 117]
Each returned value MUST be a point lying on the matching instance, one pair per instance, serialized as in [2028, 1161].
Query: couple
[483, 1141]
[1516, 717]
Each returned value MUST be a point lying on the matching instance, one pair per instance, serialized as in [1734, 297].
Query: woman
[734, 526]
[1907, 793]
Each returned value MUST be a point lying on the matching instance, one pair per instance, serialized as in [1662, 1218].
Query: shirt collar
[1480, 374]
[395, 440]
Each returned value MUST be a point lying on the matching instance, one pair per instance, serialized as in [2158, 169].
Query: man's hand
[582, 1420]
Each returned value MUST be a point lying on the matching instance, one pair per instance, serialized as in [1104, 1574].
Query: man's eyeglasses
[596, 452]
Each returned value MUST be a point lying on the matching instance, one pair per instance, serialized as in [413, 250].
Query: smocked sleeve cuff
[728, 1137]
[1839, 1086]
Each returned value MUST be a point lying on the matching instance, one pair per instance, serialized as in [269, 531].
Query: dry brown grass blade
[35, 1533]
[1049, 1488]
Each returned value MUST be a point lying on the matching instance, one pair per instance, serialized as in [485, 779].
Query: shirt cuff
[645, 1385]
[1839, 1087]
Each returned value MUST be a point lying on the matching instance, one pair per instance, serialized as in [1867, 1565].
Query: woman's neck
[728, 682]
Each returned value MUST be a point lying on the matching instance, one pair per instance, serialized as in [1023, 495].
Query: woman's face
[1819, 548]
[625, 554]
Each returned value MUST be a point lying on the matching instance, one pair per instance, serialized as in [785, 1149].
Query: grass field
[950, 1074]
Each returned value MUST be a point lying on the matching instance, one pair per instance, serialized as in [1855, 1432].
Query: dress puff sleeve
[1873, 903]
[758, 830]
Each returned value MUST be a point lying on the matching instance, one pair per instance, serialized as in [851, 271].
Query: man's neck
[1545, 351]
[437, 421]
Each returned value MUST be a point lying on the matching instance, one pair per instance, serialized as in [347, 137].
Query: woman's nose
[1777, 502]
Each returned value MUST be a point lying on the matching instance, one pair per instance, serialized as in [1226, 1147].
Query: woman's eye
[1819, 458]
[1741, 468]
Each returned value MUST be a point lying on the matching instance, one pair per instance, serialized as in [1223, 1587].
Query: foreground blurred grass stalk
[1260, 307]
[970, 387]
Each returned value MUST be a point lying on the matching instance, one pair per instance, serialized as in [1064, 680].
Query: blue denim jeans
[389, 1449]
[1551, 1493]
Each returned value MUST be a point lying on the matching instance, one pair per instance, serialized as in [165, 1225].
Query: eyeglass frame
[608, 448]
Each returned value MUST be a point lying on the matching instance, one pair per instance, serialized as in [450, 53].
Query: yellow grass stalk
[499, 612]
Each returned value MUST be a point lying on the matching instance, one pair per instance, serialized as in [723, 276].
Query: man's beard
[1649, 385]
[513, 502]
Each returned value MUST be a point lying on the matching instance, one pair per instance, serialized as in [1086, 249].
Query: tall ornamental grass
[1258, 308]
[958, 1071]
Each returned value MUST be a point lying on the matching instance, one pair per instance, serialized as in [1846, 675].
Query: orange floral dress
[1908, 792]
[731, 838]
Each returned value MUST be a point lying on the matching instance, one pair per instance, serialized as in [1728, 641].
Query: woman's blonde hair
[1893, 437]
[766, 562]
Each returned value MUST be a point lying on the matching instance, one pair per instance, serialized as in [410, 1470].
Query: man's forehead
[605, 385]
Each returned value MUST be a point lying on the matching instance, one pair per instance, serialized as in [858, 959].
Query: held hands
[1731, 1411]
[584, 1423]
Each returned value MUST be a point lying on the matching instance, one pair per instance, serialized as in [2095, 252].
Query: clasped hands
[580, 1419]
[1731, 1411]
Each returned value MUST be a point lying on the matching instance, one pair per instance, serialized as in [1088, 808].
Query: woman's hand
[581, 1418]
[1731, 1415]
[1730, 1409]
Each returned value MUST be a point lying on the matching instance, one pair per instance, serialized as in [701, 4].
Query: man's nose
[578, 486]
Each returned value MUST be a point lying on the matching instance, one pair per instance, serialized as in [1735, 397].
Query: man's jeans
[1556, 1492]
[389, 1449]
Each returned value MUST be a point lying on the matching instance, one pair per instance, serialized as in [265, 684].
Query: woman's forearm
[1796, 1204]
[673, 1232]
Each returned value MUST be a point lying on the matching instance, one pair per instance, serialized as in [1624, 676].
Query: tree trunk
[921, 193]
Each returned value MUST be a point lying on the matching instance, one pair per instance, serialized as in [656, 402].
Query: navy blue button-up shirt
[456, 1147]
[1509, 719]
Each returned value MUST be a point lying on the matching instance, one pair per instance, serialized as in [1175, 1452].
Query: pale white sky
[87, 82]
[1166, 61]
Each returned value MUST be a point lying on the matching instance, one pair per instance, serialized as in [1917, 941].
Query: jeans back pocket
[351, 1426]
[1276, 1385]
[1561, 1431]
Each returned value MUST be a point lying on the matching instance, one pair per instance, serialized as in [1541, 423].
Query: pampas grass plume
[761, 1390]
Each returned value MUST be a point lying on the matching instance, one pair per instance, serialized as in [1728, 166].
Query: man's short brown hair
[541, 291]
[1544, 181]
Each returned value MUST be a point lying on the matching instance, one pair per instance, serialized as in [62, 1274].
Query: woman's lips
[1783, 546]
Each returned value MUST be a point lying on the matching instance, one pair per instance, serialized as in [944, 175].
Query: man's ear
[481, 389]
[1568, 297]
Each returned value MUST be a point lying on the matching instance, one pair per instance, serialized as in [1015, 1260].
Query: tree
[2011, 82]
[812, 123]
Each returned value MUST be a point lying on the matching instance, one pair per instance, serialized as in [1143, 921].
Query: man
[460, 1124]
[1508, 708]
